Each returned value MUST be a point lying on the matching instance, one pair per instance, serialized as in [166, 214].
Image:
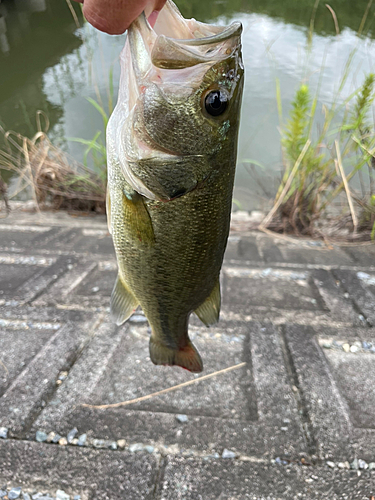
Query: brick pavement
[297, 317]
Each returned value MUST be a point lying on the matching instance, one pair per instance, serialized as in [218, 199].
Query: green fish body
[172, 143]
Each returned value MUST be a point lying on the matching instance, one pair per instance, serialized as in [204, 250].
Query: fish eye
[216, 102]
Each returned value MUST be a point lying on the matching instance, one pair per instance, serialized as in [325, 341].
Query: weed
[48, 175]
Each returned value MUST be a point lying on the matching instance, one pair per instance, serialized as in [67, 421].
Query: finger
[159, 4]
[112, 17]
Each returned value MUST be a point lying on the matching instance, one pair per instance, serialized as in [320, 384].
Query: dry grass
[48, 175]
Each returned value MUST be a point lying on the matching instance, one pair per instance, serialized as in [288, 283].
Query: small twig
[346, 185]
[169, 389]
[334, 18]
[4, 193]
[274, 209]
[5, 368]
[73, 13]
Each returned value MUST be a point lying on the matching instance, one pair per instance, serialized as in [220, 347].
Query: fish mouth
[177, 43]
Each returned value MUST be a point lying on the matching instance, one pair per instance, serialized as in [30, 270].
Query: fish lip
[231, 31]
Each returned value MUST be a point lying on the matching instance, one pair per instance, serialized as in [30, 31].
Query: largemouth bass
[172, 142]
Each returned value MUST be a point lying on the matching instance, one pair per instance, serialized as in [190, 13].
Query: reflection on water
[47, 63]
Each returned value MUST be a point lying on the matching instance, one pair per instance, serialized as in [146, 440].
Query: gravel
[61, 495]
[41, 436]
[56, 438]
[362, 464]
[3, 432]
[133, 448]
[71, 435]
[14, 493]
[182, 418]
[354, 464]
[228, 454]
[82, 440]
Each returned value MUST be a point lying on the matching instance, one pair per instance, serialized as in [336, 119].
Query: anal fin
[123, 303]
[209, 311]
[187, 357]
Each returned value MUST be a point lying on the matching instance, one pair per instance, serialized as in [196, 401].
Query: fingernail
[152, 18]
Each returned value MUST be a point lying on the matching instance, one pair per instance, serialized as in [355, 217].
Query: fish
[171, 156]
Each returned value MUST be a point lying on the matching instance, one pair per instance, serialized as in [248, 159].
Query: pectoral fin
[138, 219]
[123, 303]
[209, 311]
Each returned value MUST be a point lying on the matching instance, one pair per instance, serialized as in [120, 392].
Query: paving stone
[18, 347]
[326, 410]
[248, 249]
[20, 236]
[90, 473]
[62, 291]
[28, 316]
[197, 479]
[339, 304]
[95, 241]
[354, 374]
[319, 255]
[240, 409]
[299, 393]
[271, 252]
[96, 286]
[231, 251]
[362, 255]
[335, 387]
[361, 288]
[35, 286]
[280, 288]
[13, 276]
[24, 397]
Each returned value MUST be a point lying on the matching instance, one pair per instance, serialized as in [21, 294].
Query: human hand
[115, 16]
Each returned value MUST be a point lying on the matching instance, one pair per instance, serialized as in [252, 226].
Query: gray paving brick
[288, 310]
[361, 288]
[23, 399]
[251, 409]
[280, 288]
[337, 301]
[364, 255]
[13, 276]
[271, 252]
[248, 249]
[197, 479]
[18, 346]
[20, 236]
[93, 474]
[319, 255]
[354, 374]
[336, 388]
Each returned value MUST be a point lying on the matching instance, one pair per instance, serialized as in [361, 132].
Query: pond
[48, 63]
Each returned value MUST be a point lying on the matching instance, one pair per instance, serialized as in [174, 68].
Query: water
[47, 63]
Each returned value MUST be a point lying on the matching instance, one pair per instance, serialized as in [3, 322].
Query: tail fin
[187, 357]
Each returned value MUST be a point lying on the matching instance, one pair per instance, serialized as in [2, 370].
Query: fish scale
[169, 195]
